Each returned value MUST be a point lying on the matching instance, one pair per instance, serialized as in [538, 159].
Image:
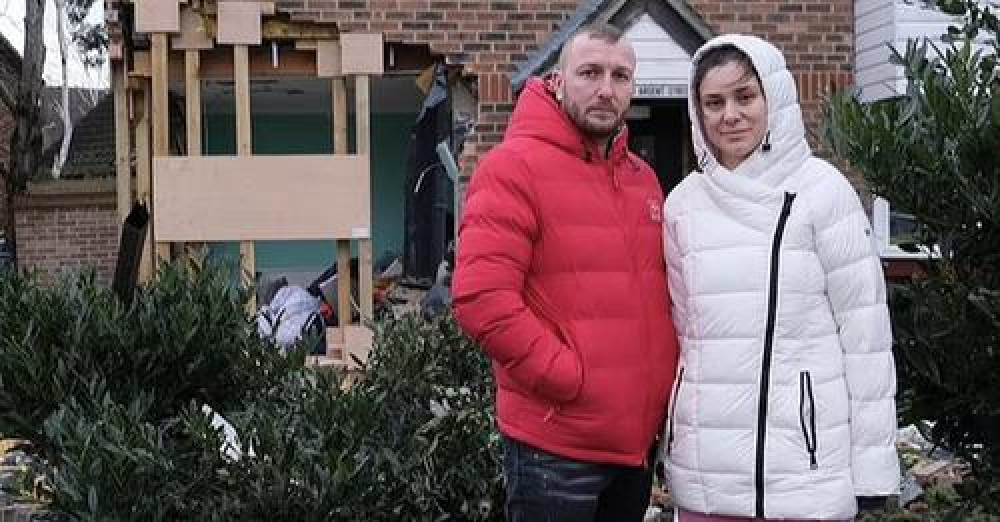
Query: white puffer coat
[784, 403]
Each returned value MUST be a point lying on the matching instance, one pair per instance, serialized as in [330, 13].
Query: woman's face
[733, 112]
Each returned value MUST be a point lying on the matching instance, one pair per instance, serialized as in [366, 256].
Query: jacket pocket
[673, 410]
[807, 416]
[564, 379]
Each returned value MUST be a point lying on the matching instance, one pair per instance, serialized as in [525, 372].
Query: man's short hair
[605, 32]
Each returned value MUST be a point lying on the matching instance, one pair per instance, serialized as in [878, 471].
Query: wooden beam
[143, 177]
[248, 268]
[161, 89]
[192, 101]
[340, 115]
[343, 245]
[161, 112]
[123, 146]
[344, 308]
[192, 98]
[244, 145]
[241, 81]
[365, 283]
[362, 114]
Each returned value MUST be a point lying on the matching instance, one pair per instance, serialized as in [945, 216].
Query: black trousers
[542, 487]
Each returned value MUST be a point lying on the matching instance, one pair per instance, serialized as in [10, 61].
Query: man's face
[595, 84]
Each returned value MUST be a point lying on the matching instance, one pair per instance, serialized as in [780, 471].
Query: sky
[12, 27]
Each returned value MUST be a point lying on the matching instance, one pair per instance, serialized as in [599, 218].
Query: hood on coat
[786, 133]
[539, 116]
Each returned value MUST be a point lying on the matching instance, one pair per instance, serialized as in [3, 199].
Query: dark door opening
[659, 132]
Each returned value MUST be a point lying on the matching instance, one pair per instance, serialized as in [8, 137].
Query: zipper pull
[813, 465]
[615, 181]
[548, 416]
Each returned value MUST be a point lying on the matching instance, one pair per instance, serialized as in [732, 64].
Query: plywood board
[157, 16]
[239, 23]
[361, 53]
[194, 32]
[358, 341]
[235, 198]
[328, 59]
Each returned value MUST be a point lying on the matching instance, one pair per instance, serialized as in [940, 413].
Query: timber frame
[194, 198]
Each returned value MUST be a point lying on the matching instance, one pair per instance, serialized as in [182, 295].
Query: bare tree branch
[67, 118]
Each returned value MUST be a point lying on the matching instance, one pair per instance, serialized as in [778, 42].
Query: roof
[619, 13]
[92, 149]
[10, 68]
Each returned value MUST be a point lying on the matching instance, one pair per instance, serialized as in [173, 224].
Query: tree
[26, 140]
[932, 153]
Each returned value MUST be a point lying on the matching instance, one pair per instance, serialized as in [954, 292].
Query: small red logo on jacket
[655, 211]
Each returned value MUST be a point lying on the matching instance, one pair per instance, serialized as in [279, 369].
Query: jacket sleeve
[677, 291]
[498, 230]
[856, 290]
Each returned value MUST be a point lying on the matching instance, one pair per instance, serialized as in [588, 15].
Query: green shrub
[932, 153]
[112, 397]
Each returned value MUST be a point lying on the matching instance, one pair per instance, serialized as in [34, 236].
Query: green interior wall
[312, 134]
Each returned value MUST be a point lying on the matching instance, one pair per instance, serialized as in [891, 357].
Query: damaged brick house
[486, 50]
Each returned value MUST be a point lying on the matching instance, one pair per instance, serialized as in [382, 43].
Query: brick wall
[6, 128]
[493, 37]
[489, 37]
[65, 231]
[816, 36]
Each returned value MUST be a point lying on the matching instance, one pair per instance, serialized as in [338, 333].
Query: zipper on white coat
[765, 371]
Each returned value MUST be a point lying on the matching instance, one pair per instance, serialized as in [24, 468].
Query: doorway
[660, 133]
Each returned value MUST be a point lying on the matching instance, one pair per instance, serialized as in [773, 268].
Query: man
[560, 278]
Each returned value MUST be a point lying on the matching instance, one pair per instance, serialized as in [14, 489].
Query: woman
[784, 402]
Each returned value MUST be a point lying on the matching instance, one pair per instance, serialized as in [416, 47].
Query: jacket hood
[539, 116]
[785, 130]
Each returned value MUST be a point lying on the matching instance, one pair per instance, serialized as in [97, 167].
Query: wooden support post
[344, 307]
[340, 115]
[123, 145]
[241, 86]
[362, 113]
[143, 177]
[161, 112]
[244, 146]
[192, 102]
[192, 99]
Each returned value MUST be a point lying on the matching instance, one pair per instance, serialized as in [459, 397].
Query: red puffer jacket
[560, 277]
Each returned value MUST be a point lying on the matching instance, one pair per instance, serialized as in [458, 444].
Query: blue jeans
[542, 487]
